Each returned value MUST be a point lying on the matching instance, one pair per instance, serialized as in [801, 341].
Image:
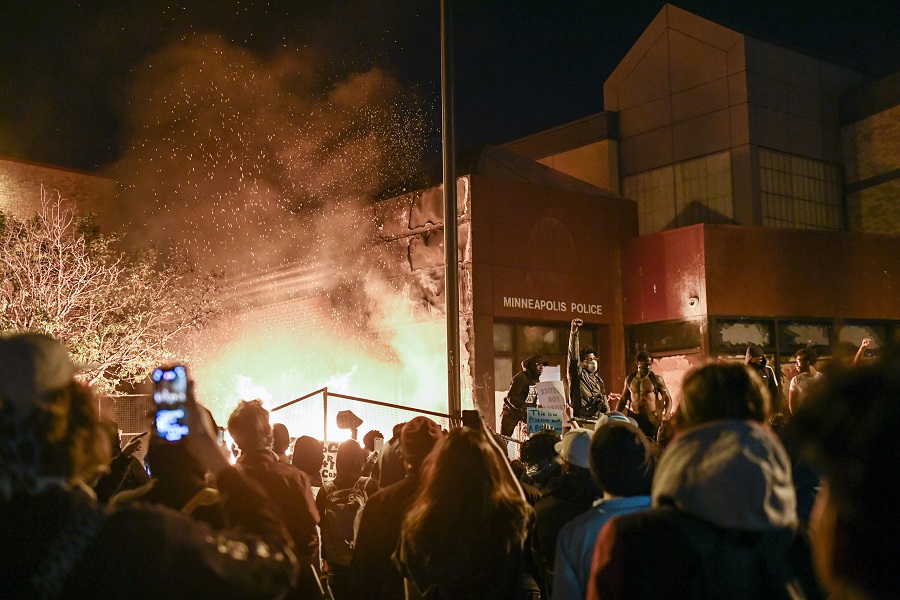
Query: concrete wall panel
[649, 79]
[693, 62]
[737, 58]
[645, 117]
[826, 280]
[646, 151]
[702, 135]
[770, 128]
[700, 100]
[739, 119]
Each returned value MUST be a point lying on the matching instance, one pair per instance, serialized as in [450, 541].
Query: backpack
[339, 521]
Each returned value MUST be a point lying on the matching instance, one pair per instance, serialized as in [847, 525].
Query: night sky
[68, 68]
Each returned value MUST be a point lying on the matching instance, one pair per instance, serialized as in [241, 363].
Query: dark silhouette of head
[622, 460]
[722, 391]
[540, 447]
[308, 455]
[417, 439]
[48, 421]
[350, 458]
[281, 439]
[849, 428]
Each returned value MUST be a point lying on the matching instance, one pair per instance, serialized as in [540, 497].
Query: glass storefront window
[688, 192]
[536, 339]
[796, 335]
[503, 337]
[679, 336]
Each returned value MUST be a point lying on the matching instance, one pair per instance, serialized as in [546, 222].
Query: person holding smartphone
[51, 448]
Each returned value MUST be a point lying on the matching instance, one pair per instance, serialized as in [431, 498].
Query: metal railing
[328, 405]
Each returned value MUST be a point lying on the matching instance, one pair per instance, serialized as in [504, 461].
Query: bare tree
[118, 313]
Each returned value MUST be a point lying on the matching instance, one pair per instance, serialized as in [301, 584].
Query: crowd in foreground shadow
[728, 505]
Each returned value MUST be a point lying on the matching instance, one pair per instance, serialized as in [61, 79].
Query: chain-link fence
[132, 413]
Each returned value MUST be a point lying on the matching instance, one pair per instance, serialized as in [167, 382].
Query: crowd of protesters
[738, 500]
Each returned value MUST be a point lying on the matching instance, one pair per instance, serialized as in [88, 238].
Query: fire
[399, 358]
[264, 172]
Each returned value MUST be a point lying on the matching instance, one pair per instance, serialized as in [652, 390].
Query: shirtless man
[646, 397]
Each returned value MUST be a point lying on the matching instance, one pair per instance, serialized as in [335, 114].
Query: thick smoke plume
[253, 162]
[264, 171]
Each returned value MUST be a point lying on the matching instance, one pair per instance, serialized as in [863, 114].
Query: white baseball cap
[575, 447]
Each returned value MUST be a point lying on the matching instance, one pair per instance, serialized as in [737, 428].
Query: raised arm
[862, 350]
[574, 349]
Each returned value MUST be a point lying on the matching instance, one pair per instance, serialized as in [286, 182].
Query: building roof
[574, 134]
[499, 163]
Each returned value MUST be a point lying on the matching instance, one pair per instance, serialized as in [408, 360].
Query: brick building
[21, 183]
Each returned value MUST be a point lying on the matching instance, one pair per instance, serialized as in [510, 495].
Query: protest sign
[552, 395]
[544, 418]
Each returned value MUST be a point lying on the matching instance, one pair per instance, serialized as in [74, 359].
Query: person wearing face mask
[587, 392]
[646, 397]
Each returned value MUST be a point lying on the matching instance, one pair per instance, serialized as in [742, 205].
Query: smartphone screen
[378, 444]
[170, 397]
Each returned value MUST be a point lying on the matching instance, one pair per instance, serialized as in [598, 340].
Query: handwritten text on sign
[540, 419]
[552, 395]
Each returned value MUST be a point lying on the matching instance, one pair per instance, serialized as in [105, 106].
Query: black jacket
[568, 496]
[291, 492]
[374, 574]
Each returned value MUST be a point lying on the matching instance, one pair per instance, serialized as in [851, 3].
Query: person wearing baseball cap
[374, 575]
[522, 394]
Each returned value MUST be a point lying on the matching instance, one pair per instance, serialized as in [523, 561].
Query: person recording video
[52, 447]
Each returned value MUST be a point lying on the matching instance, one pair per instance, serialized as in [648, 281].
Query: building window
[514, 342]
[794, 335]
[703, 190]
[686, 193]
[732, 336]
[798, 192]
[654, 192]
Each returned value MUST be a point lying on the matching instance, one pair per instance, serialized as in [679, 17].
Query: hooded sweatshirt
[522, 391]
[767, 373]
[723, 524]
[733, 474]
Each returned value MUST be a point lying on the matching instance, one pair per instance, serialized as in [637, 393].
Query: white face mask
[592, 366]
